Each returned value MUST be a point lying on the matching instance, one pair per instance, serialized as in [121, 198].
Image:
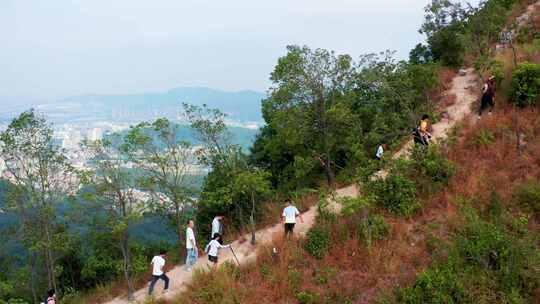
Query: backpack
[417, 136]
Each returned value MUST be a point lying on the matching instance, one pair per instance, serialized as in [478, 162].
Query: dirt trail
[463, 86]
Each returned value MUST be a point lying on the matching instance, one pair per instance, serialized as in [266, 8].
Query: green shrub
[525, 85]
[430, 168]
[440, 284]
[483, 263]
[265, 270]
[484, 138]
[294, 278]
[528, 195]
[496, 69]
[373, 228]
[353, 205]
[447, 46]
[396, 193]
[482, 243]
[307, 297]
[318, 241]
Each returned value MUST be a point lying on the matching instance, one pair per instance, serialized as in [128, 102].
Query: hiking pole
[234, 254]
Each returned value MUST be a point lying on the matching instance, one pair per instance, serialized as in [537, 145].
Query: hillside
[455, 221]
[475, 237]
[271, 237]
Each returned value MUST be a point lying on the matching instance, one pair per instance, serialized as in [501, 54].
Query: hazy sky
[51, 49]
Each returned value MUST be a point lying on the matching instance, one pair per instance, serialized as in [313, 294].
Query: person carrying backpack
[488, 96]
[213, 249]
[421, 133]
[158, 262]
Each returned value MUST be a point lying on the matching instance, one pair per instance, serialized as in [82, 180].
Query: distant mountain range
[241, 106]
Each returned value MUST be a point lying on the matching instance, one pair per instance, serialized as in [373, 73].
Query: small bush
[484, 138]
[215, 288]
[430, 168]
[528, 195]
[436, 285]
[318, 241]
[307, 297]
[294, 278]
[373, 228]
[396, 193]
[525, 85]
[352, 205]
[482, 243]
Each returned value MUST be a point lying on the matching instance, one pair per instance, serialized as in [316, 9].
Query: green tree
[232, 186]
[420, 54]
[167, 163]
[440, 14]
[448, 45]
[304, 106]
[42, 177]
[116, 195]
[253, 184]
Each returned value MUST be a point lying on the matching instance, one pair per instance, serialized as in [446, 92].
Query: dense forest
[85, 232]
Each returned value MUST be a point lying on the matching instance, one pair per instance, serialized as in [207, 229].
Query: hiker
[380, 151]
[213, 249]
[191, 246]
[217, 227]
[158, 262]
[51, 297]
[289, 218]
[488, 96]
[421, 134]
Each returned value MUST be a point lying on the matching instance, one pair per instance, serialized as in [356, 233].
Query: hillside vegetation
[457, 223]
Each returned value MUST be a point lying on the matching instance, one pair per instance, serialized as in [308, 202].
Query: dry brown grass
[447, 100]
[496, 166]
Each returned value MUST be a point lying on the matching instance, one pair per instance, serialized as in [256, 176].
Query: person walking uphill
[488, 96]
[158, 262]
[217, 227]
[421, 133]
[289, 218]
[191, 246]
[213, 249]
[380, 151]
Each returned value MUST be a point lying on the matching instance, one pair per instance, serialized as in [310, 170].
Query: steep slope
[463, 86]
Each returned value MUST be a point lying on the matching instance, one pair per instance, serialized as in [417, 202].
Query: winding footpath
[464, 86]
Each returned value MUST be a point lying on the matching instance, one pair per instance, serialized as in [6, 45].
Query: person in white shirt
[191, 246]
[380, 152]
[158, 262]
[217, 227]
[213, 249]
[289, 218]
